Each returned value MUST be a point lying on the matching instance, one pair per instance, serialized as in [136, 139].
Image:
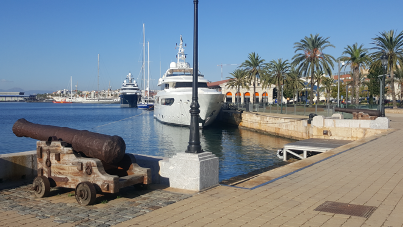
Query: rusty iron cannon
[62, 162]
[109, 149]
[367, 114]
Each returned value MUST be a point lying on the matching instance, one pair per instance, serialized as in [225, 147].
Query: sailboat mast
[148, 71]
[71, 89]
[144, 60]
[98, 88]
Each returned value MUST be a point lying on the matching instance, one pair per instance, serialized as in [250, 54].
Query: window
[189, 84]
[167, 101]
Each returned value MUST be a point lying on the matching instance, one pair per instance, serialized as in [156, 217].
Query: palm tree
[391, 44]
[313, 58]
[279, 71]
[294, 82]
[253, 68]
[357, 58]
[238, 80]
[318, 76]
[328, 83]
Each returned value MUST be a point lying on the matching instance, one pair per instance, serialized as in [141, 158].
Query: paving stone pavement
[369, 172]
[19, 207]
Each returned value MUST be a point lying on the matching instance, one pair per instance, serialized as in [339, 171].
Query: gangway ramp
[305, 148]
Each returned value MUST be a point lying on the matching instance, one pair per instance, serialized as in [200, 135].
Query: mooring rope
[118, 120]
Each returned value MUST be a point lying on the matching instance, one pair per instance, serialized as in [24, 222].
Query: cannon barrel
[109, 149]
[370, 112]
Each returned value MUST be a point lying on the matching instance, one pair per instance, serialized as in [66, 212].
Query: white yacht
[172, 103]
[129, 93]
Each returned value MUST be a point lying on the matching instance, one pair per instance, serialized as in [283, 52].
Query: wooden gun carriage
[60, 165]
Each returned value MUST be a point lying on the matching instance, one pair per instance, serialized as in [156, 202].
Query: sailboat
[147, 102]
[71, 95]
[95, 96]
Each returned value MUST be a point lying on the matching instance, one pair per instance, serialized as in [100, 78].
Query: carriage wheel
[85, 193]
[41, 186]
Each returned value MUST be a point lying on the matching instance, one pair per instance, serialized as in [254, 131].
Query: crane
[221, 68]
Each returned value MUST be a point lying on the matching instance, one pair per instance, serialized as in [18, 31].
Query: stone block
[371, 132]
[17, 166]
[338, 116]
[318, 121]
[380, 123]
[151, 162]
[354, 123]
[358, 133]
[341, 123]
[329, 123]
[365, 123]
[190, 171]
[342, 133]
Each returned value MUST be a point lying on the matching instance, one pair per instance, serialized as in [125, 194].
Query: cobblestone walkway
[61, 207]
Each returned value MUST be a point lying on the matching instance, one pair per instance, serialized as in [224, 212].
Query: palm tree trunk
[254, 91]
[318, 91]
[312, 85]
[357, 86]
[393, 92]
[278, 91]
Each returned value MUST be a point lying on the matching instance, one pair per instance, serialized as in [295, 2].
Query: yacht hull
[129, 101]
[178, 112]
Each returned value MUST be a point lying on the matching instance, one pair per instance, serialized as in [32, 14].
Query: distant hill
[29, 92]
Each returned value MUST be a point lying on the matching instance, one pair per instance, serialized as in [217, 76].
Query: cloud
[5, 81]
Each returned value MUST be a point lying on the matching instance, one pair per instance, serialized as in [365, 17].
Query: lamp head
[383, 59]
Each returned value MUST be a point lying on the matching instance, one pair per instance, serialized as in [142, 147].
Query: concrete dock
[363, 173]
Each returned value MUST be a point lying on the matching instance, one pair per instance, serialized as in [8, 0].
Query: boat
[172, 103]
[61, 101]
[147, 102]
[129, 93]
[64, 100]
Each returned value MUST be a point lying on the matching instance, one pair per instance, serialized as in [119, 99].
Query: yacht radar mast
[181, 56]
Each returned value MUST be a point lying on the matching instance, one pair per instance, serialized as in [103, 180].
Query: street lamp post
[194, 144]
[283, 77]
[383, 59]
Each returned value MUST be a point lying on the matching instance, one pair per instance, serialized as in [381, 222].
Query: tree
[318, 77]
[279, 71]
[253, 69]
[294, 82]
[238, 80]
[312, 57]
[328, 83]
[391, 44]
[357, 58]
[374, 82]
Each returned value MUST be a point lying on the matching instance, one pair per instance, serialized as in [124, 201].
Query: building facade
[262, 95]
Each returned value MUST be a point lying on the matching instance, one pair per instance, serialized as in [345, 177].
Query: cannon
[109, 149]
[61, 162]
[369, 114]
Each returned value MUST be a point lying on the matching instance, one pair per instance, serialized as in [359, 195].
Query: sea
[240, 151]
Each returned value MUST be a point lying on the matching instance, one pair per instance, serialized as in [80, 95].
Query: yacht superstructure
[172, 103]
[129, 93]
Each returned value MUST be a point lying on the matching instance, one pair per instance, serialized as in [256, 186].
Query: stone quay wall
[298, 128]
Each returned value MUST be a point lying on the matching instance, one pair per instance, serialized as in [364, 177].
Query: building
[13, 97]
[263, 95]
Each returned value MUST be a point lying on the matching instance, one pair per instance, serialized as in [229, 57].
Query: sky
[45, 42]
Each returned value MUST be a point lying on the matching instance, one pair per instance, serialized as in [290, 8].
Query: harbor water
[240, 151]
